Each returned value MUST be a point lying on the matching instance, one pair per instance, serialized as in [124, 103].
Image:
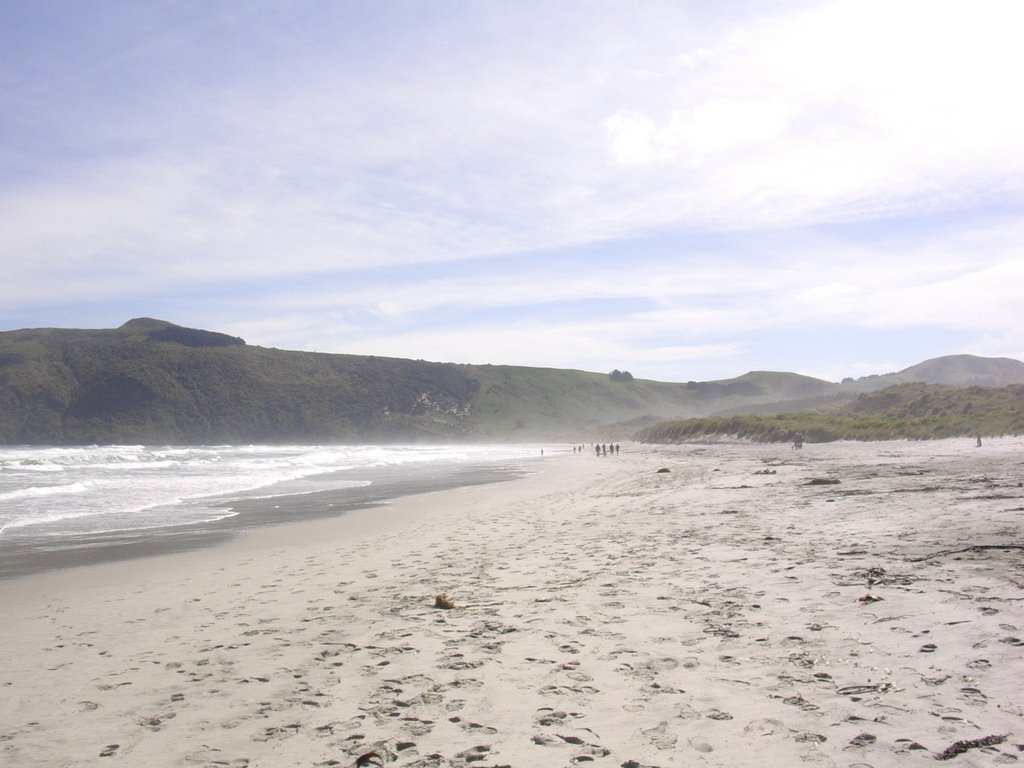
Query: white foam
[63, 491]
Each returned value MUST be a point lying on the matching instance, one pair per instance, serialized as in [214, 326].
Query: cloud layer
[683, 190]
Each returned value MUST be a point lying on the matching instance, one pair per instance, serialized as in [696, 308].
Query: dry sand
[725, 613]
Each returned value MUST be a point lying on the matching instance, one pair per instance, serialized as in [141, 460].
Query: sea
[67, 506]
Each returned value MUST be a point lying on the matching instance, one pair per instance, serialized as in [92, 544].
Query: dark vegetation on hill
[154, 382]
[151, 382]
[904, 411]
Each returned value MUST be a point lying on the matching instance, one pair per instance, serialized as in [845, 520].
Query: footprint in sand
[417, 727]
[547, 716]
[278, 732]
[154, 722]
[571, 668]
[584, 752]
[809, 738]
[908, 745]
[861, 740]
[973, 696]
[472, 755]
[660, 736]
[701, 746]
[765, 727]
[473, 727]
[717, 714]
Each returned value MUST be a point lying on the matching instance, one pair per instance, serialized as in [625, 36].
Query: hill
[151, 381]
[952, 370]
[905, 411]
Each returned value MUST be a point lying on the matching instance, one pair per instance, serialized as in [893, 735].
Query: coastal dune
[842, 605]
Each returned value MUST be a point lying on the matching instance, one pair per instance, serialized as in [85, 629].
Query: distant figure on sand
[978, 444]
[798, 441]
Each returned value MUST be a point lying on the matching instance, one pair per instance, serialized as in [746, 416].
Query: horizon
[683, 192]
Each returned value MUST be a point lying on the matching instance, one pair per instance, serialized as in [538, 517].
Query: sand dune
[742, 609]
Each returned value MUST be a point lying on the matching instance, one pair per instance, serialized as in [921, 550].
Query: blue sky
[685, 190]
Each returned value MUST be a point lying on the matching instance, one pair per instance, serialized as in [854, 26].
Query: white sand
[609, 614]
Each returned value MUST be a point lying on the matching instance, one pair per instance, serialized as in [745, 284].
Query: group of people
[601, 450]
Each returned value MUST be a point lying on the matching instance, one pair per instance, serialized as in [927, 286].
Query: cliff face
[154, 382]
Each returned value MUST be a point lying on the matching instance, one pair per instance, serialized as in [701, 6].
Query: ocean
[71, 506]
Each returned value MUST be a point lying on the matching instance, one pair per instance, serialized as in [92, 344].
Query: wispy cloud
[344, 175]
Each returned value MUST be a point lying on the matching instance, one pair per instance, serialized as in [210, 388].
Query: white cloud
[841, 111]
[633, 138]
[847, 110]
[709, 129]
[493, 130]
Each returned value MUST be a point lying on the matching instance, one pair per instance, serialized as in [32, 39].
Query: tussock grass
[904, 412]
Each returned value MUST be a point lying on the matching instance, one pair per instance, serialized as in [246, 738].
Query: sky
[683, 190]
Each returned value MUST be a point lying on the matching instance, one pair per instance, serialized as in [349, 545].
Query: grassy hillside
[951, 370]
[150, 381]
[513, 399]
[907, 411]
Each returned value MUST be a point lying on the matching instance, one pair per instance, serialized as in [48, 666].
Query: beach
[848, 604]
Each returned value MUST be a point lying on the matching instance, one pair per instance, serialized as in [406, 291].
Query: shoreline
[606, 613]
[41, 554]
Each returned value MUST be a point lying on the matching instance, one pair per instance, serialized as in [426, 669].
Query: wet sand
[38, 554]
[843, 605]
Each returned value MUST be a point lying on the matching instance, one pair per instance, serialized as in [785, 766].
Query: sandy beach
[844, 605]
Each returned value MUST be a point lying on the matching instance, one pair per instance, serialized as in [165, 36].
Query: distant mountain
[956, 371]
[952, 371]
[151, 381]
[913, 411]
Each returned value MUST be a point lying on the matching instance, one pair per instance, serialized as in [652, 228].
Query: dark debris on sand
[959, 747]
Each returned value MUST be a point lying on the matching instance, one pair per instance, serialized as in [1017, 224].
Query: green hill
[952, 370]
[151, 381]
[905, 411]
